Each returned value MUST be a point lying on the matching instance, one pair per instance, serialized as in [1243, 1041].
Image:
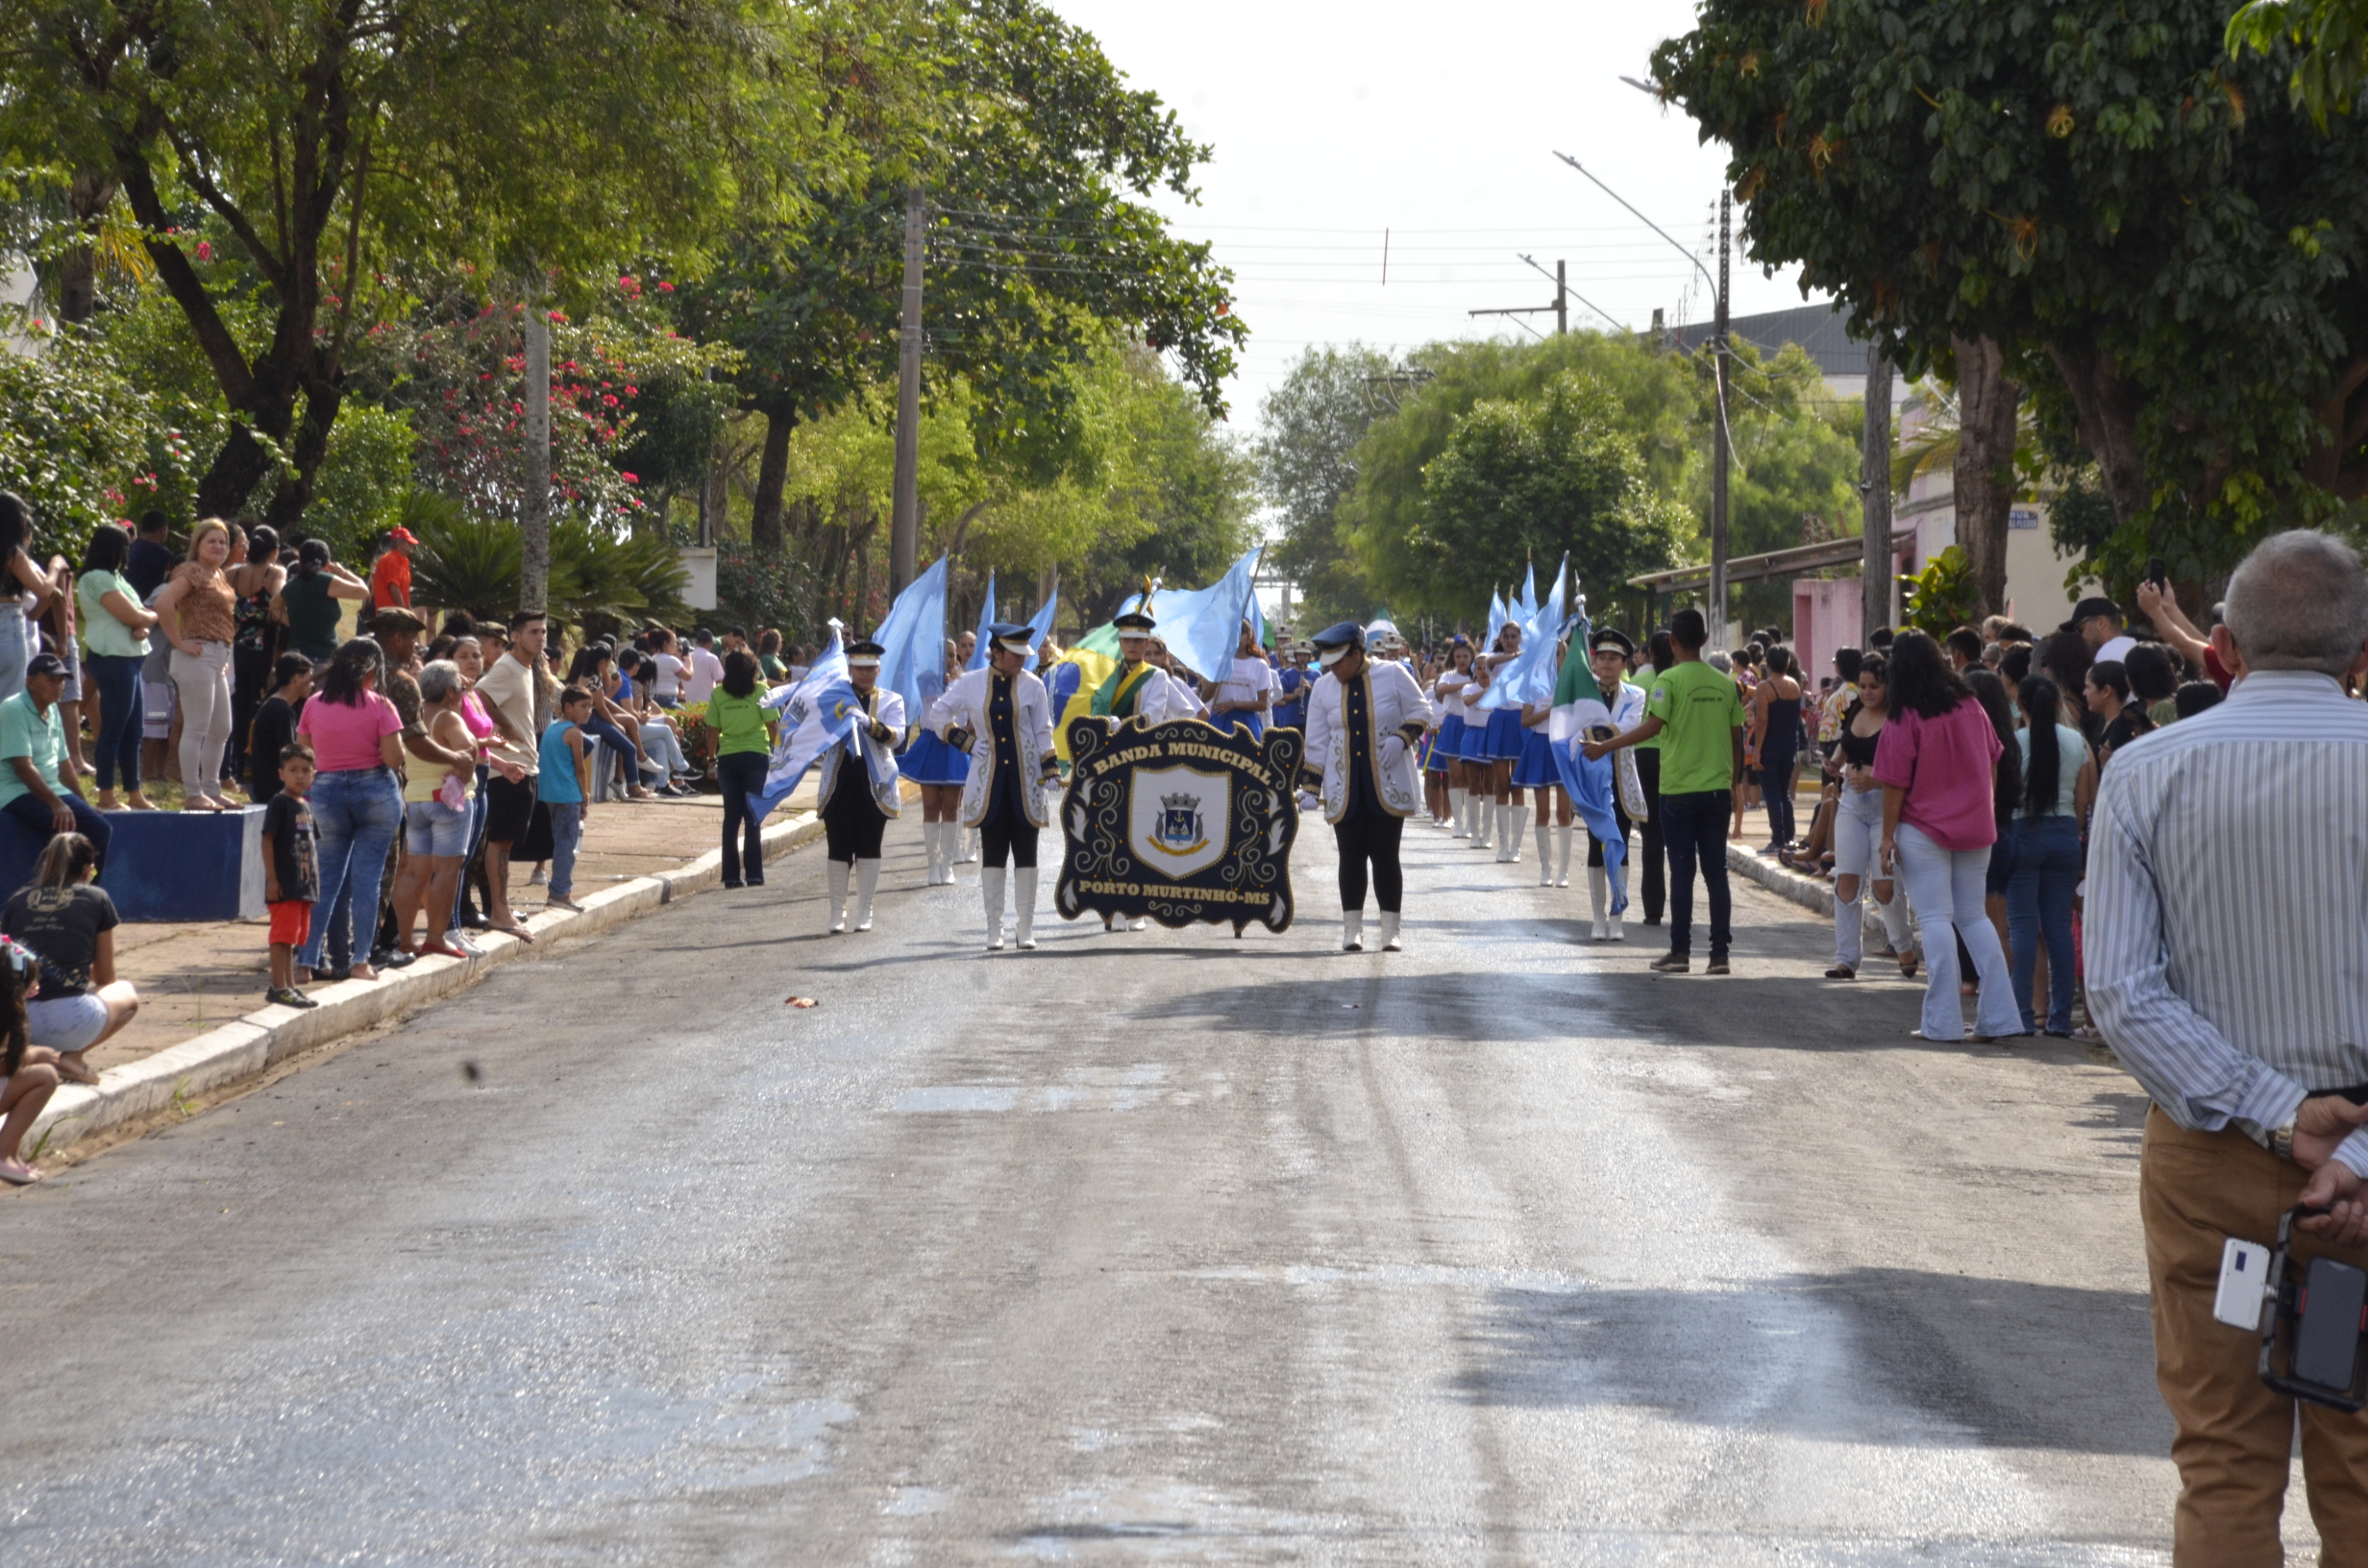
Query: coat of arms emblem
[1179, 818]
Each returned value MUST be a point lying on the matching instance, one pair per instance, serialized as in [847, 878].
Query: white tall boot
[1599, 900]
[1545, 854]
[1562, 855]
[1352, 930]
[970, 845]
[1483, 818]
[940, 868]
[1459, 802]
[991, 890]
[1619, 923]
[1137, 922]
[1517, 827]
[867, 884]
[838, 896]
[1389, 931]
[1023, 902]
[1501, 816]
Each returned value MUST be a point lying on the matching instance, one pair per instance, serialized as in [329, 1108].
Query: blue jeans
[566, 837]
[1694, 828]
[2047, 870]
[122, 710]
[28, 813]
[742, 774]
[355, 814]
[477, 842]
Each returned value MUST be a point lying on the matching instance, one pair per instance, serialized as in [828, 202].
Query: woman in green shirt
[308, 600]
[743, 750]
[115, 627]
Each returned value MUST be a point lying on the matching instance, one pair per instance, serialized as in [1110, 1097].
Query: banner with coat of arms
[1180, 823]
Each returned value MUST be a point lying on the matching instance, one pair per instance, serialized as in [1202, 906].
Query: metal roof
[1822, 331]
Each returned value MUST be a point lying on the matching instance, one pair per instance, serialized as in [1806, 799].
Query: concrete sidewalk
[204, 1025]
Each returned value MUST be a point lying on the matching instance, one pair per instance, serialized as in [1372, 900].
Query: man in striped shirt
[2227, 947]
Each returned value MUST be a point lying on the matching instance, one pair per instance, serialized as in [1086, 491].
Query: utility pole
[904, 527]
[1875, 500]
[1562, 298]
[1721, 452]
[534, 515]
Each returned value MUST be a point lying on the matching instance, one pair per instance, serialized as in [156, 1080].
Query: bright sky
[1331, 123]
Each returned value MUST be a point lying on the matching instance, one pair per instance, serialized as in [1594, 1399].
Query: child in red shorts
[291, 872]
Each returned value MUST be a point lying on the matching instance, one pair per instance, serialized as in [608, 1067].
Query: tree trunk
[2108, 409]
[1984, 473]
[772, 474]
[78, 269]
[294, 492]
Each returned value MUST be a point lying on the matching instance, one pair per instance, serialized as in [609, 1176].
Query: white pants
[1945, 888]
[1858, 842]
[659, 745]
[203, 683]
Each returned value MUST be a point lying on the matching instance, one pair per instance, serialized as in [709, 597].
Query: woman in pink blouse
[357, 804]
[1937, 763]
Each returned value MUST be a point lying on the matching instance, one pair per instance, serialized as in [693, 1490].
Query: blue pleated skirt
[1536, 771]
[1474, 743]
[929, 760]
[1449, 745]
[1505, 732]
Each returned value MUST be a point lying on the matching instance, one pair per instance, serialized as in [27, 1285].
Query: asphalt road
[1142, 1248]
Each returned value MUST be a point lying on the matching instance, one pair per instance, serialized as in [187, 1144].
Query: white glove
[1307, 800]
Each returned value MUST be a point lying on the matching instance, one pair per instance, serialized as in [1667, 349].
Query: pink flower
[609, 401]
[204, 251]
[631, 478]
[665, 289]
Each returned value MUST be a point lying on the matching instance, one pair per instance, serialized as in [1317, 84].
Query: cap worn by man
[1011, 637]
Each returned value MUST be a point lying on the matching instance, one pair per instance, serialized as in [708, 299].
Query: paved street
[1147, 1247]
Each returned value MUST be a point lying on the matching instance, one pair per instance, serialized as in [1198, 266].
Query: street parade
[940, 782]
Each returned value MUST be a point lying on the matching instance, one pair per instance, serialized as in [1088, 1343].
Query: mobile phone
[2244, 1281]
[2326, 1339]
[2156, 573]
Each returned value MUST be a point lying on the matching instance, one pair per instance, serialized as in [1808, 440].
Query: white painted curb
[261, 1040]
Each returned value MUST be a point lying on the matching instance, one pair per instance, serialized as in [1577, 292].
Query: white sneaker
[534, 878]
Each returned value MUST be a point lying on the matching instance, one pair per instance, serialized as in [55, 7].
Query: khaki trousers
[2235, 1436]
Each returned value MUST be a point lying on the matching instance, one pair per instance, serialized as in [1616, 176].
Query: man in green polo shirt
[1697, 715]
[36, 790]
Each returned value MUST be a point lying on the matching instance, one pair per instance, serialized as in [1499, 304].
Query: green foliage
[1940, 598]
[310, 140]
[1794, 479]
[1659, 406]
[82, 443]
[365, 475]
[473, 563]
[1308, 428]
[2333, 35]
[2165, 250]
[1528, 482]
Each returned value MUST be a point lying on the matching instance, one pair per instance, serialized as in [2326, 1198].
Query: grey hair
[439, 680]
[2300, 601]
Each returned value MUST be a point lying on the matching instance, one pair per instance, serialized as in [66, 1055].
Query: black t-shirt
[62, 926]
[295, 860]
[149, 565]
[274, 726]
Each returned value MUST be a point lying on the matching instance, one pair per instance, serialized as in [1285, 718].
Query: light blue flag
[1040, 626]
[1530, 677]
[1498, 615]
[817, 713]
[1579, 706]
[1203, 625]
[912, 662]
[986, 619]
[1525, 607]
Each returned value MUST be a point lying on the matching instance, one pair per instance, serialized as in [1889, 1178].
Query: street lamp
[1723, 443]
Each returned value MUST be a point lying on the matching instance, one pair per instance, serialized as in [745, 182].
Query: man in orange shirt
[390, 581]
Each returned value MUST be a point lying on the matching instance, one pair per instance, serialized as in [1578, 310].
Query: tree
[1029, 147]
[312, 139]
[1794, 479]
[1529, 482]
[2333, 35]
[2159, 248]
[1661, 402]
[1308, 428]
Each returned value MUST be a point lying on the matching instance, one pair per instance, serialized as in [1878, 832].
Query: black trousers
[1653, 854]
[1373, 837]
[853, 821]
[1007, 834]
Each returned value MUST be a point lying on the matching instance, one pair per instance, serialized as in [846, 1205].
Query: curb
[264, 1040]
[1809, 892]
